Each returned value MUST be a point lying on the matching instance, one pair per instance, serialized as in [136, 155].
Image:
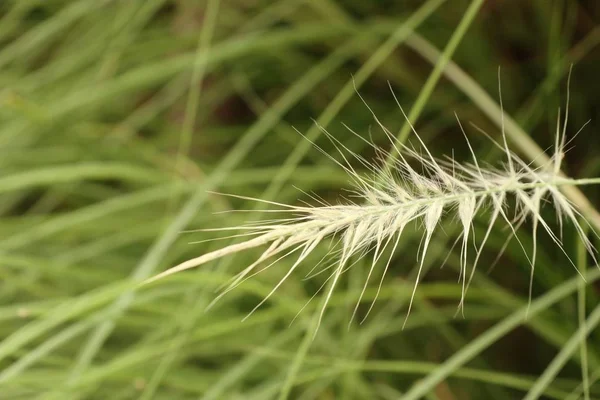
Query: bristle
[392, 198]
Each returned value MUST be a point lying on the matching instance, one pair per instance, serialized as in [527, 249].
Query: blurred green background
[119, 118]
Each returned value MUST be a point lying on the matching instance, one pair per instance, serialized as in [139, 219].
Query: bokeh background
[120, 118]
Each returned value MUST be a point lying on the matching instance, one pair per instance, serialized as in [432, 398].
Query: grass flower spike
[415, 188]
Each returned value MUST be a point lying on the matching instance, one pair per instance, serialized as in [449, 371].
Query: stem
[564, 355]
[499, 330]
[433, 79]
[516, 134]
[581, 313]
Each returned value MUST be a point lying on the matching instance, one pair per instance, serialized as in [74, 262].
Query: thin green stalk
[18, 132]
[195, 88]
[43, 32]
[300, 355]
[434, 77]
[54, 175]
[348, 91]
[493, 111]
[156, 253]
[408, 367]
[581, 313]
[576, 393]
[84, 215]
[58, 315]
[489, 337]
[564, 355]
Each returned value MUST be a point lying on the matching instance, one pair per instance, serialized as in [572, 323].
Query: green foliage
[120, 119]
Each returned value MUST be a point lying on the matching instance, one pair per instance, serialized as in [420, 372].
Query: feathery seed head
[392, 198]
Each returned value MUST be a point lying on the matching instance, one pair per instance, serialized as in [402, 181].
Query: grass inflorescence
[417, 188]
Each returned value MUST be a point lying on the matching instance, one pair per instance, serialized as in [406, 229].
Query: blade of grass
[499, 330]
[47, 30]
[435, 75]
[68, 173]
[196, 80]
[187, 212]
[581, 313]
[563, 356]
[514, 132]
[59, 315]
[329, 367]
